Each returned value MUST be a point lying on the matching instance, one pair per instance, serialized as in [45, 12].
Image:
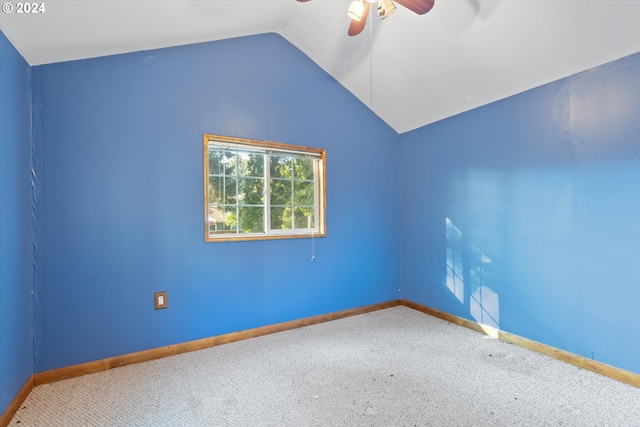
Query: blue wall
[16, 271]
[525, 214]
[521, 214]
[121, 140]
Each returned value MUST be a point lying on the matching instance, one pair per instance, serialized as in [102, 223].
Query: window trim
[268, 146]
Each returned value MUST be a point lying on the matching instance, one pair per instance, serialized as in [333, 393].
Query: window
[262, 190]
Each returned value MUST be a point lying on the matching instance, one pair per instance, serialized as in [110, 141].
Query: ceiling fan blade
[417, 6]
[356, 27]
[302, 1]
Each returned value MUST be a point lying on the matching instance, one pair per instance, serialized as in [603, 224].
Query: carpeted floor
[395, 367]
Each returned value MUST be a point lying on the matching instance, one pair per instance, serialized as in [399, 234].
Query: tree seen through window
[261, 190]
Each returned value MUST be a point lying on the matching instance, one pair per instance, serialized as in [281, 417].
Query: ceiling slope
[410, 70]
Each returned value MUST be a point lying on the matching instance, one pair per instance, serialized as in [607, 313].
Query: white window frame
[268, 148]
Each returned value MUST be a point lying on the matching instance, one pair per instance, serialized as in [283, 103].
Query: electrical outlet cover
[160, 300]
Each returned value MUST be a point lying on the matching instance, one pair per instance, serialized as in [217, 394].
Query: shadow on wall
[469, 265]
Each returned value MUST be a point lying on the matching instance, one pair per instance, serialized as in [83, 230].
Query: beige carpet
[395, 367]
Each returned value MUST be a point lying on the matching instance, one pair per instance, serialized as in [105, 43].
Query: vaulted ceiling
[411, 70]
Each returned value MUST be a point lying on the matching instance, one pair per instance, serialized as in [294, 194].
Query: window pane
[251, 164]
[304, 217]
[303, 168]
[230, 188]
[224, 162]
[216, 189]
[217, 221]
[222, 190]
[251, 191]
[251, 219]
[280, 192]
[303, 193]
[216, 160]
[281, 166]
[281, 218]
[228, 163]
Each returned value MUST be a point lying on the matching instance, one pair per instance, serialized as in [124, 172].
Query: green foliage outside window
[238, 201]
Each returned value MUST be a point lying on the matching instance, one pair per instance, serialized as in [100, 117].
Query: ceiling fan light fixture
[385, 8]
[356, 10]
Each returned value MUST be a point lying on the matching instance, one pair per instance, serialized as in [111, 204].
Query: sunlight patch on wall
[466, 263]
[455, 274]
[484, 304]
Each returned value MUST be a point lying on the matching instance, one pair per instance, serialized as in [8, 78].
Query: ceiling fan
[359, 10]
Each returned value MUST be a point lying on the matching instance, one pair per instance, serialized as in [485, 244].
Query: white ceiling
[410, 70]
